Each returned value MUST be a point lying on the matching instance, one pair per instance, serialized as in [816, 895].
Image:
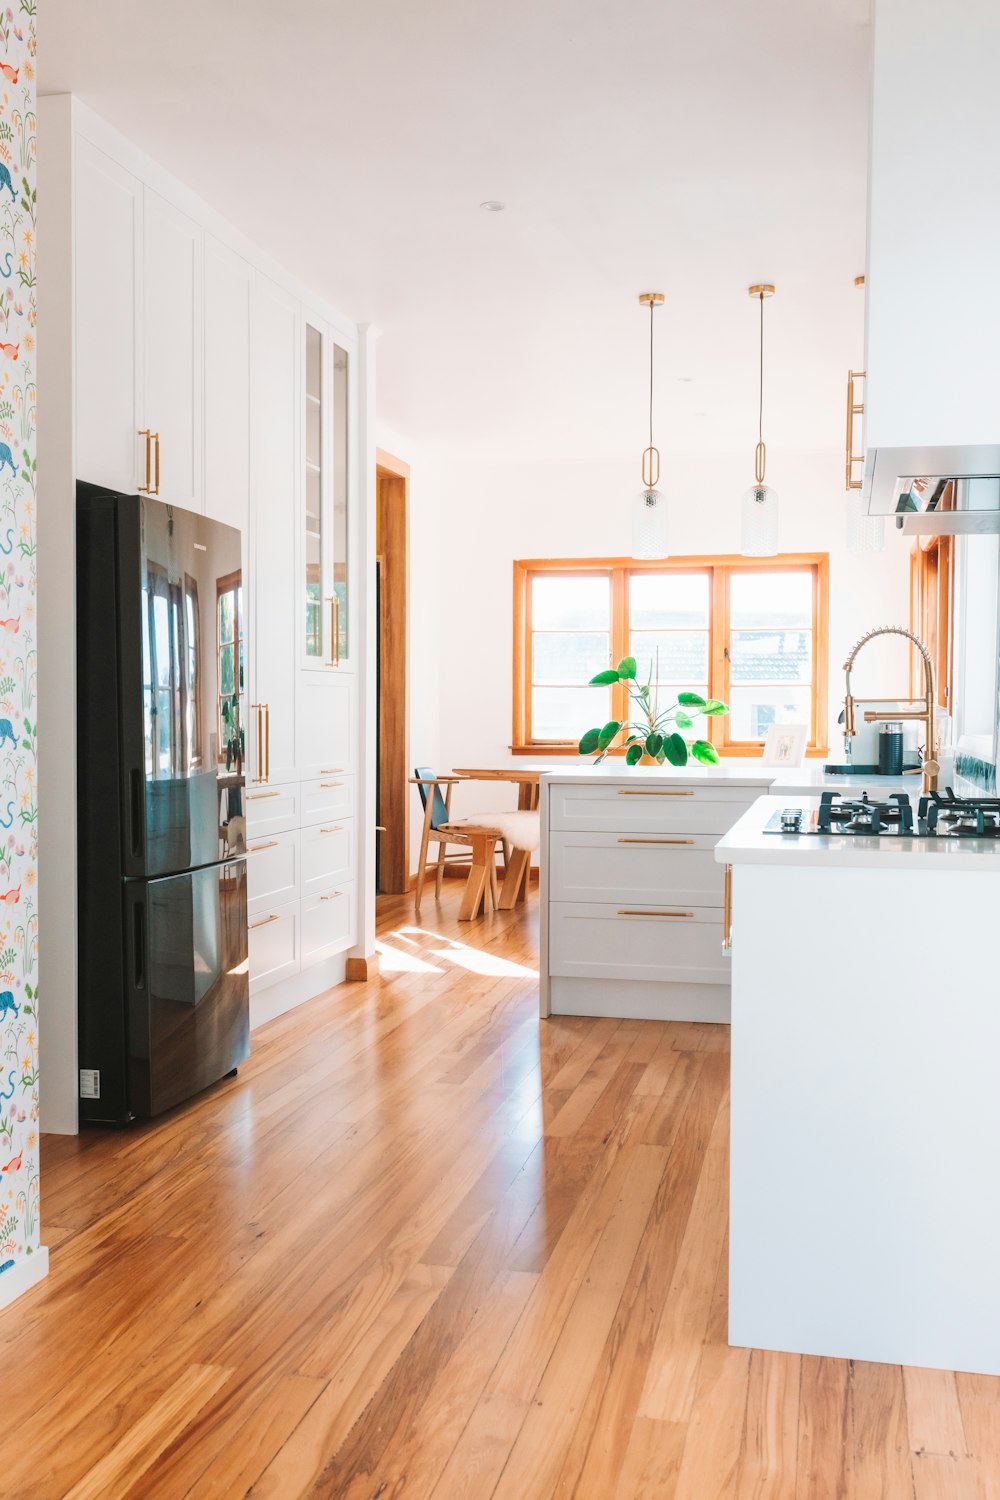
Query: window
[229, 626]
[751, 633]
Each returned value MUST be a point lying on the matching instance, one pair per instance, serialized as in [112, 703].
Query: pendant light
[865, 533]
[649, 509]
[759, 533]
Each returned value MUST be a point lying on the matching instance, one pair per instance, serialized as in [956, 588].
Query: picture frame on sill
[785, 744]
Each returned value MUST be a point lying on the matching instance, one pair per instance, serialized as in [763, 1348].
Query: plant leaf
[706, 753]
[633, 755]
[692, 700]
[682, 720]
[654, 743]
[676, 750]
[605, 678]
[715, 707]
[608, 733]
[627, 668]
[589, 741]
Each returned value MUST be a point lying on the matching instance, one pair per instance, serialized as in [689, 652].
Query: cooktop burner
[945, 815]
[939, 815]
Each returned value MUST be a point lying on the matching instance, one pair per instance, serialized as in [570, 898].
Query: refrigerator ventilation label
[90, 1083]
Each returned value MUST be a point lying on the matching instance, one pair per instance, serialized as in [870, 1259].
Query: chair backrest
[439, 812]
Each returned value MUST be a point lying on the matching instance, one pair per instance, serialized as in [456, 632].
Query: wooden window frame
[719, 569]
[932, 601]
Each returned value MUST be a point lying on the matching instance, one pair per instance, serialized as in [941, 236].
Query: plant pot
[648, 760]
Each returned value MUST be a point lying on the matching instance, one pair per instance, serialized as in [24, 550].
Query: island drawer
[641, 941]
[662, 868]
[625, 809]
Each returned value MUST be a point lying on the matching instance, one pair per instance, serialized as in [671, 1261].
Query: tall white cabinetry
[204, 374]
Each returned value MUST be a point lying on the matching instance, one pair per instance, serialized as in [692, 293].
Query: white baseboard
[22, 1277]
[640, 999]
[278, 998]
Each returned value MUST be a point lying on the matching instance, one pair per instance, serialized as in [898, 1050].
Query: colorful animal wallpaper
[18, 642]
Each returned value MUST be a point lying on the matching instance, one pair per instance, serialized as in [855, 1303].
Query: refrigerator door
[187, 983]
[181, 643]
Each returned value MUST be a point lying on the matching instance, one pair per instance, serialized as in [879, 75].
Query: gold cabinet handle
[855, 408]
[267, 740]
[156, 488]
[332, 896]
[656, 841]
[627, 912]
[262, 923]
[652, 792]
[270, 844]
[260, 777]
[260, 796]
[144, 432]
[336, 828]
[727, 912]
[329, 786]
[334, 602]
[334, 771]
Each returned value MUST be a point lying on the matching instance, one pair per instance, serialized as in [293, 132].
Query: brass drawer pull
[263, 922]
[259, 796]
[656, 841]
[647, 792]
[329, 786]
[334, 771]
[627, 912]
[256, 848]
[727, 912]
[336, 828]
[332, 896]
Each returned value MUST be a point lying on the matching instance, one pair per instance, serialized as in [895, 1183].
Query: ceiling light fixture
[759, 532]
[649, 510]
[493, 206]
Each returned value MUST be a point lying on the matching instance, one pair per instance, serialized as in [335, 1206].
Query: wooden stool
[482, 872]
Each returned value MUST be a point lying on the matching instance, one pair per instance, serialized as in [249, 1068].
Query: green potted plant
[654, 736]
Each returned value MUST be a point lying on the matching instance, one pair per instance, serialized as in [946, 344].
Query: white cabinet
[108, 378]
[326, 727]
[680, 944]
[228, 281]
[276, 611]
[327, 855]
[272, 871]
[272, 809]
[327, 923]
[172, 338]
[325, 563]
[274, 941]
[639, 868]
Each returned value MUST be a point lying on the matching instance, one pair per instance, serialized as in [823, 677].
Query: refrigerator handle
[139, 944]
[135, 812]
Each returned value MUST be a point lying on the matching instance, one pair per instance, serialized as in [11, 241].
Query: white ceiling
[688, 147]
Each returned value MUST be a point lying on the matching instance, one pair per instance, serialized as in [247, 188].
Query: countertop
[795, 781]
[746, 843]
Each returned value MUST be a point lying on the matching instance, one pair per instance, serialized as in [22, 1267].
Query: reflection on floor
[427, 1246]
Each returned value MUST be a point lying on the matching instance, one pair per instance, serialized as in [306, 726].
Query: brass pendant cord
[651, 374]
[760, 456]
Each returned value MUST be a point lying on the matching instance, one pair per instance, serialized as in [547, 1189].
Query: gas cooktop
[939, 815]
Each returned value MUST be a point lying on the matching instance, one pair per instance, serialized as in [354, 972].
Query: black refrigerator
[164, 1007]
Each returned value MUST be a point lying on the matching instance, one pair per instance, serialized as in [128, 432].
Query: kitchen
[408, 1176]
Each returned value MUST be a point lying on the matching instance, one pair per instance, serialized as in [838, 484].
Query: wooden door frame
[393, 500]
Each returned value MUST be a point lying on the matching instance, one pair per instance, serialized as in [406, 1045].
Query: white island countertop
[746, 843]
[794, 781]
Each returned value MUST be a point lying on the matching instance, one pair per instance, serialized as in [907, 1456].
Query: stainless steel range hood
[949, 491]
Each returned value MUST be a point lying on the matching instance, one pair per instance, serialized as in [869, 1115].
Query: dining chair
[478, 841]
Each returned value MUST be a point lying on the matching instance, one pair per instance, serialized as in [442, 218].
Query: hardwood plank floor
[426, 1246]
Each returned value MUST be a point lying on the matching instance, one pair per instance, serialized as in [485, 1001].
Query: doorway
[392, 863]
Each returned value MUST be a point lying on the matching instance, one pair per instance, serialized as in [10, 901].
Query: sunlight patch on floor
[462, 956]
[396, 961]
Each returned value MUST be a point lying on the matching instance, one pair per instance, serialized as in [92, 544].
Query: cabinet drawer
[271, 809]
[665, 869]
[633, 809]
[272, 871]
[274, 943]
[329, 796]
[598, 941]
[327, 855]
[327, 923]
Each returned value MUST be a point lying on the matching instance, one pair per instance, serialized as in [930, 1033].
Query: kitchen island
[864, 1221]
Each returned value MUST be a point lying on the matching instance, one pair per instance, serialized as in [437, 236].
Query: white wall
[430, 614]
[493, 511]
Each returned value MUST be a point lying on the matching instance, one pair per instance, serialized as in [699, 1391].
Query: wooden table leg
[474, 896]
[515, 879]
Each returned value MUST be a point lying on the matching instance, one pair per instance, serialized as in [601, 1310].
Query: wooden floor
[427, 1246]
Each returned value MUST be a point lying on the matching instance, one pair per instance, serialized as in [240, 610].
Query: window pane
[683, 654]
[754, 709]
[227, 681]
[664, 601]
[559, 603]
[762, 599]
[566, 713]
[226, 616]
[568, 657]
[666, 694]
[770, 656]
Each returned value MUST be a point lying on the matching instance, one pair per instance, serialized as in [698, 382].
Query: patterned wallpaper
[18, 656]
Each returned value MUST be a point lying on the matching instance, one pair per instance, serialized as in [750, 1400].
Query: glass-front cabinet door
[326, 537]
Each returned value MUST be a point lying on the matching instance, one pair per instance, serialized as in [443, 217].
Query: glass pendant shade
[865, 533]
[649, 525]
[759, 531]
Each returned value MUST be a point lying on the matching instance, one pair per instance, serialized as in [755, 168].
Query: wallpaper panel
[19, 1158]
